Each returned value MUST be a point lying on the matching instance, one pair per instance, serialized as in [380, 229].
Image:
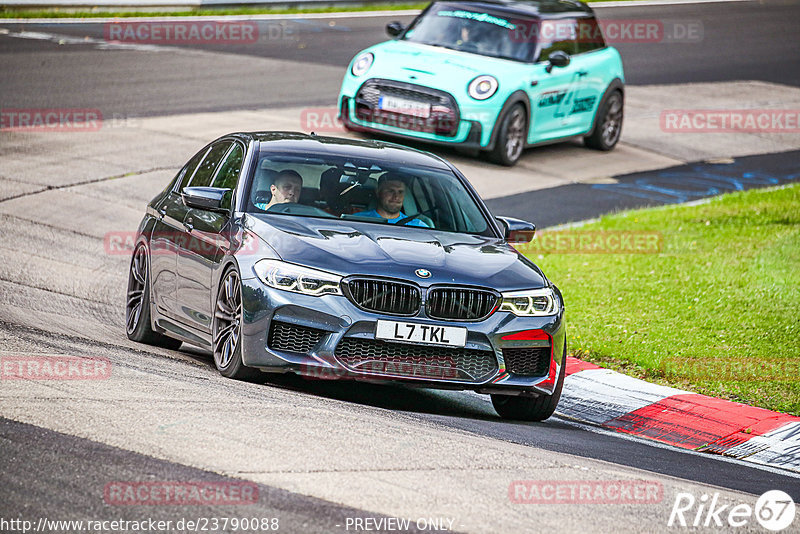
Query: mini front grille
[383, 296]
[444, 111]
[455, 303]
[290, 337]
[527, 361]
[416, 361]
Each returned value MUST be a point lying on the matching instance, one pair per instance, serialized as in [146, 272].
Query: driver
[286, 187]
[390, 195]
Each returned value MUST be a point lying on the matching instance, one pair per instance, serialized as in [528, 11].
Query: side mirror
[517, 230]
[205, 198]
[559, 58]
[394, 29]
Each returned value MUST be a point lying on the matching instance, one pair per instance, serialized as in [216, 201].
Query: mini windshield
[338, 187]
[480, 32]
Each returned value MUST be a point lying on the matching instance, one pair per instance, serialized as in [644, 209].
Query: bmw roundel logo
[423, 273]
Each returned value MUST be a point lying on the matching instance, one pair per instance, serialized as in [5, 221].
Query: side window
[558, 34]
[188, 169]
[202, 178]
[590, 37]
[228, 173]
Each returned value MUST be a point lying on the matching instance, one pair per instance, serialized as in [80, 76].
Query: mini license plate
[451, 336]
[406, 107]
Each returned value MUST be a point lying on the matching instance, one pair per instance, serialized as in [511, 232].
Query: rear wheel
[137, 307]
[608, 126]
[511, 136]
[530, 408]
[227, 329]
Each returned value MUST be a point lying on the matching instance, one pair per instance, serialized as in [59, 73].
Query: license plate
[451, 336]
[406, 107]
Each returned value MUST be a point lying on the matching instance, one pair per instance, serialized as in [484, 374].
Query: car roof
[339, 146]
[534, 8]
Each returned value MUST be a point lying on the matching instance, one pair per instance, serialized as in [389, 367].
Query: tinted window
[590, 37]
[188, 169]
[557, 34]
[202, 178]
[229, 170]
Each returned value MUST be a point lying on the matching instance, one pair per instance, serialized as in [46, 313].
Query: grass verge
[716, 311]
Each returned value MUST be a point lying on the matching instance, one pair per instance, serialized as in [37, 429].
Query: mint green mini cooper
[494, 76]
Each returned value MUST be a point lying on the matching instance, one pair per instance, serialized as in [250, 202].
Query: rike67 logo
[774, 510]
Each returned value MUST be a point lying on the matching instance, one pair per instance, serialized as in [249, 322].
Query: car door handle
[162, 210]
[582, 73]
[188, 225]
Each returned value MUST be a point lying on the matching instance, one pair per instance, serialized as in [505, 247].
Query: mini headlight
[530, 303]
[290, 277]
[482, 87]
[362, 64]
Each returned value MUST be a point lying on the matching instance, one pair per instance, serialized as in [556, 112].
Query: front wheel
[511, 137]
[227, 329]
[530, 408]
[608, 126]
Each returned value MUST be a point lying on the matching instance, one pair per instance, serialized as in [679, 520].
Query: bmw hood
[348, 247]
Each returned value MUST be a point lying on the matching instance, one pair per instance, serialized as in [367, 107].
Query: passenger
[390, 195]
[286, 187]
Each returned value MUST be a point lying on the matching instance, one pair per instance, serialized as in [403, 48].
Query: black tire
[608, 125]
[511, 136]
[530, 408]
[227, 328]
[137, 304]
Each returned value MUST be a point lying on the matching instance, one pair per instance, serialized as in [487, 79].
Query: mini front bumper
[340, 319]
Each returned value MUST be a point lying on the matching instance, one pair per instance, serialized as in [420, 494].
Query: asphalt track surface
[48, 473]
[736, 41]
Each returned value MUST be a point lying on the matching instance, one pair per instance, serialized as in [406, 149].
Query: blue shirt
[374, 213]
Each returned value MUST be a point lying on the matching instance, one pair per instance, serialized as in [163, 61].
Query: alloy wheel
[612, 121]
[137, 282]
[227, 319]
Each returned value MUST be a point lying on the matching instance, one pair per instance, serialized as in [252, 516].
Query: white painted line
[599, 395]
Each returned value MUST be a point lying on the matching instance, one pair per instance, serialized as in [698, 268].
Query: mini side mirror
[559, 58]
[394, 29]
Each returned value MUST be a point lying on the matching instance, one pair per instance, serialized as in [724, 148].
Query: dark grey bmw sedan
[342, 259]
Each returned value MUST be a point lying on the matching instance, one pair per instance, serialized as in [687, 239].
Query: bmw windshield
[457, 27]
[340, 187]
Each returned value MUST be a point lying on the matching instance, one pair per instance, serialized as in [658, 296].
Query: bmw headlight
[530, 302]
[290, 277]
[482, 87]
[362, 64]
